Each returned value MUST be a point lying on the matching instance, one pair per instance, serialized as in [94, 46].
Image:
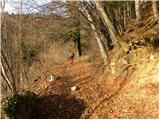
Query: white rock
[152, 57]
[51, 78]
[73, 88]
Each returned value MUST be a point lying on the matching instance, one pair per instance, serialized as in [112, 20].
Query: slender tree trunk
[137, 8]
[11, 85]
[128, 11]
[6, 78]
[125, 18]
[133, 14]
[99, 41]
[118, 25]
[78, 34]
[154, 6]
[19, 40]
[79, 40]
[114, 34]
[9, 69]
[79, 45]
[3, 73]
[25, 72]
[21, 54]
[2, 6]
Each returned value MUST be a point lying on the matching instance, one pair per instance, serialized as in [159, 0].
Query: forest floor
[132, 93]
[127, 88]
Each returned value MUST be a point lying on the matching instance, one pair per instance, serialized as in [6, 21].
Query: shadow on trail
[61, 107]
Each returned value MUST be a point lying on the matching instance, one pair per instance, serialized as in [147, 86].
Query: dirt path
[128, 95]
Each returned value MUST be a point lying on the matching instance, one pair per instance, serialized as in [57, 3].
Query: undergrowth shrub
[22, 106]
[89, 60]
[30, 51]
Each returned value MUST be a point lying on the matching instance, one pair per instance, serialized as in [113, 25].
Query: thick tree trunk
[154, 6]
[114, 34]
[105, 35]
[99, 41]
[137, 8]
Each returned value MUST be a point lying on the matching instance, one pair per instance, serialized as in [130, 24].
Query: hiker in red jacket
[71, 57]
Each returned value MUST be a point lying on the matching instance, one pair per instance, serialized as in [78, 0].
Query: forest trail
[126, 95]
[126, 88]
[115, 72]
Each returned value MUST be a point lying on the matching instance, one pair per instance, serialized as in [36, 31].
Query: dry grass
[54, 55]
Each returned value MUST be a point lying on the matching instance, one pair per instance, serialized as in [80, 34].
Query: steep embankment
[127, 88]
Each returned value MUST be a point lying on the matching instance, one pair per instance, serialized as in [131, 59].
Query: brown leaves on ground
[132, 94]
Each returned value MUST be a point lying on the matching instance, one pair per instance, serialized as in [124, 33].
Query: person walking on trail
[71, 57]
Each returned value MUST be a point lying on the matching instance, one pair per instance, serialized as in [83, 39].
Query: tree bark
[19, 41]
[128, 11]
[99, 41]
[133, 14]
[105, 35]
[154, 6]
[6, 78]
[137, 8]
[117, 20]
[116, 38]
[11, 85]
[79, 39]
[13, 80]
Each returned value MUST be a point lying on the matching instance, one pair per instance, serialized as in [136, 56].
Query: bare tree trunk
[2, 6]
[19, 40]
[128, 11]
[3, 73]
[99, 41]
[25, 72]
[11, 85]
[9, 69]
[114, 35]
[125, 18]
[154, 6]
[118, 21]
[79, 39]
[133, 14]
[6, 78]
[104, 35]
[137, 8]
